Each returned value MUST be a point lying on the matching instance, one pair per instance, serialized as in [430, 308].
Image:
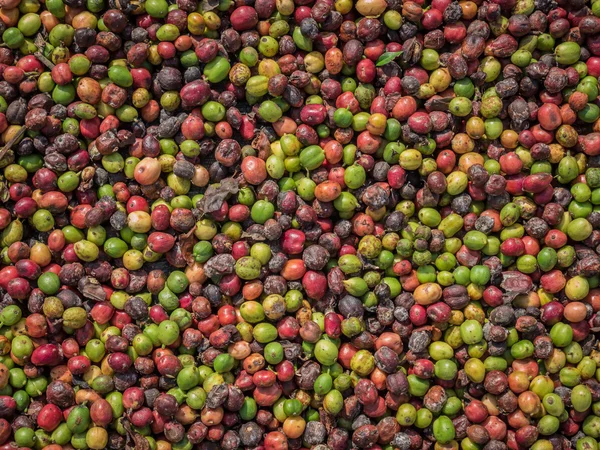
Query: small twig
[12, 142]
[45, 61]
[40, 42]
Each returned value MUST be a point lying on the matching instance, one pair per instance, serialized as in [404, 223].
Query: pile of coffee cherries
[299, 224]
